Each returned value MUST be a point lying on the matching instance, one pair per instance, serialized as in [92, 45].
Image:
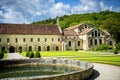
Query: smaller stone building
[84, 36]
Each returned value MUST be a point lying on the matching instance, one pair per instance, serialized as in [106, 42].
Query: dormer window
[85, 26]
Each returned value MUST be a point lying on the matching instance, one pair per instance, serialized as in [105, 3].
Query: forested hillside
[103, 20]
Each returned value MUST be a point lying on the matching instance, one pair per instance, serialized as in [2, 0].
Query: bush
[31, 54]
[20, 51]
[37, 54]
[118, 46]
[27, 54]
[1, 55]
[115, 51]
[76, 49]
[101, 47]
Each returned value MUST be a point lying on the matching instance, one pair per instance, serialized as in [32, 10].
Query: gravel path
[14, 56]
[106, 72]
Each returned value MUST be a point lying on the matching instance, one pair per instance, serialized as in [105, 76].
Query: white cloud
[26, 11]
[104, 7]
[85, 6]
[20, 11]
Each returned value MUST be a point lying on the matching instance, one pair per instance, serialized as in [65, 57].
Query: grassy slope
[99, 57]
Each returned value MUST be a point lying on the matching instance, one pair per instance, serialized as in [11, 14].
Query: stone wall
[86, 72]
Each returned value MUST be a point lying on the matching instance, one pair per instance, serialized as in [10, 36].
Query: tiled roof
[79, 25]
[106, 33]
[86, 31]
[29, 29]
[70, 33]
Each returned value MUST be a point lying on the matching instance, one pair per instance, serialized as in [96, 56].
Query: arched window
[110, 42]
[92, 34]
[99, 34]
[95, 41]
[57, 48]
[78, 43]
[69, 43]
[39, 48]
[100, 41]
[91, 42]
[30, 48]
[95, 33]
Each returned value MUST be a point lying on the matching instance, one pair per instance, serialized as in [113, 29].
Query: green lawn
[99, 57]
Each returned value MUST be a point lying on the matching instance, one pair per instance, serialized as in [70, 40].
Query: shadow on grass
[95, 75]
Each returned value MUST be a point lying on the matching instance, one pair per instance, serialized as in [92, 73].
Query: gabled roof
[86, 31]
[79, 25]
[70, 33]
[29, 29]
[106, 33]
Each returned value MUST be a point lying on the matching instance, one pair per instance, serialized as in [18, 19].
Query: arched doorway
[11, 49]
[48, 48]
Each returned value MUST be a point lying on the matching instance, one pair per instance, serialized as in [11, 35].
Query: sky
[28, 11]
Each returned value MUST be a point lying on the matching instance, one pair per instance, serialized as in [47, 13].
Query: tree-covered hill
[103, 20]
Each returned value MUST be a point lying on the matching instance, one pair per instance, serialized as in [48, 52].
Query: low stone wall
[86, 72]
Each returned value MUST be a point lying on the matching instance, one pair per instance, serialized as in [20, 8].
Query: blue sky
[27, 11]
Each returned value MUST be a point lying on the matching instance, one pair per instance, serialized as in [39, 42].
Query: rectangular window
[24, 40]
[58, 39]
[45, 39]
[31, 39]
[16, 40]
[52, 39]
[38, 39]
[8, 40]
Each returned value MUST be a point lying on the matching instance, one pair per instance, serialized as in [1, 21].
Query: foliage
[31, 54]
[115, 51]
[27, 54]
[1, 55]
[37, 54]
[20, 51]
[118, 46]
[101, 47]
[103, 20]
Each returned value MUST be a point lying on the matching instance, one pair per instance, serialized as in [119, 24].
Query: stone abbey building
[15, 37]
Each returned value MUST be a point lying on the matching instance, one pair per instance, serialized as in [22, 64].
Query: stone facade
[15, 37]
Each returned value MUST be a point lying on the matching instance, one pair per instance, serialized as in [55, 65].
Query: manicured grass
[99, 57]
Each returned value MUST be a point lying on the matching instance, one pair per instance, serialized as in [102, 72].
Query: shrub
[31, 54]
[20, 51]
[118, 46]
[1, 55]
[27, 54]
[101, 47]
[115, 51]
[76, 49]
[37, 54]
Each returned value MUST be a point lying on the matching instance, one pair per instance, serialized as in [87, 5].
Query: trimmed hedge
[37, 54]
[31, 54]
[27, 54]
